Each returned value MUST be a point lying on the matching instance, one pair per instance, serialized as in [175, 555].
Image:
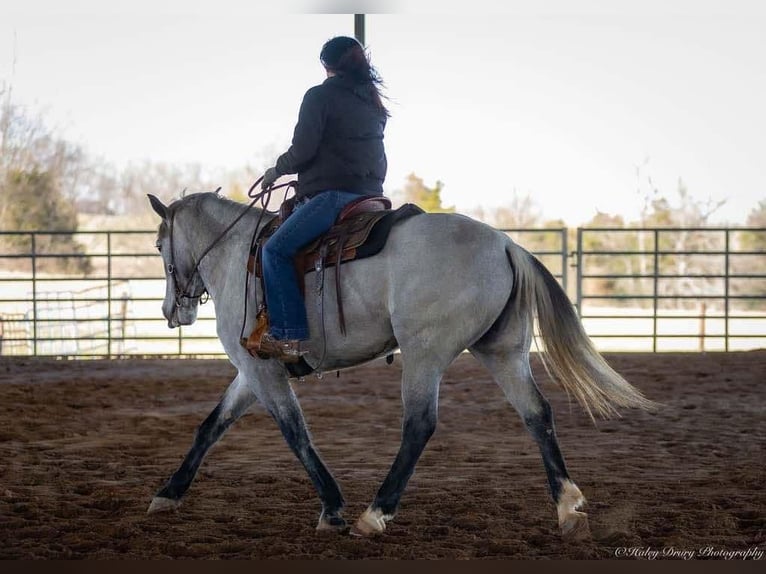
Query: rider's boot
[286, 350]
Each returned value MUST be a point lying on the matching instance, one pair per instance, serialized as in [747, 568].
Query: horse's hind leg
[512, 373]
[233, 404]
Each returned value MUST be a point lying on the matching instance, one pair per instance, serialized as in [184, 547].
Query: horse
[443, 284]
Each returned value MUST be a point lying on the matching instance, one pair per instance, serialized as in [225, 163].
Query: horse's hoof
[371, 522]
[162, 504]
[332, 524]
[573, 524]
[575, 527]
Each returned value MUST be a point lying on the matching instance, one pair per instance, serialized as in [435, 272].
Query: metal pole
[655, 288]
[359, 28]
[726, 308]
[578, 265]
[34, 294]
[109, 294]
[564, 258]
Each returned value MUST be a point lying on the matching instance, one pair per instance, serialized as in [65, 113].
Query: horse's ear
[158, 206]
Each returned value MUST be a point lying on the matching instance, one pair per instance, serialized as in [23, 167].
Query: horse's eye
[158, 245]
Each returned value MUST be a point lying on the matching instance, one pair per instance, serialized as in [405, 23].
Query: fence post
[726, 294]
[655, 288]
[109, 294]
[578, 266]
[33, 236]
[564, 257]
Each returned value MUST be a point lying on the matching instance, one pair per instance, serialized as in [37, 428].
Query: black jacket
[338, 141]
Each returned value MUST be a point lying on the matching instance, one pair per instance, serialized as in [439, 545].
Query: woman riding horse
[338, 153]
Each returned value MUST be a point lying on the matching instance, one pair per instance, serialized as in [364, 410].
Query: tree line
[683, 245]
[46, 181]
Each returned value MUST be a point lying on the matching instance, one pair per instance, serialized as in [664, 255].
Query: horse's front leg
[233, 404]
[420, 393]
[280, 400]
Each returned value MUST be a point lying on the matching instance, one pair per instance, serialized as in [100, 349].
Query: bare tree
[28, 144]
[520, 211]
[683, 248]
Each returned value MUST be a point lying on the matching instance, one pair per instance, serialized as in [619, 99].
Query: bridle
[183, 291]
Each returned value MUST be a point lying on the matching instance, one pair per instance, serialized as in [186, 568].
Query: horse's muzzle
[181, 316]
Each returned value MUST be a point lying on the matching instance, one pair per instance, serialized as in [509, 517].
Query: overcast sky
[560, 102]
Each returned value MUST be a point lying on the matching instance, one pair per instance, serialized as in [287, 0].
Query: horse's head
[184, 289]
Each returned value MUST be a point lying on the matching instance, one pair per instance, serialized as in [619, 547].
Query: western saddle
[348, 239]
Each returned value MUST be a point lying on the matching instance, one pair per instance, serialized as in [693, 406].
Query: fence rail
[98, 293]
[718, 298]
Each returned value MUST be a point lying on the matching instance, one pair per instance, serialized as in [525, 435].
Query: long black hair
[346, 57]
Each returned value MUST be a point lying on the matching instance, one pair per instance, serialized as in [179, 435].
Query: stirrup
[252, 343]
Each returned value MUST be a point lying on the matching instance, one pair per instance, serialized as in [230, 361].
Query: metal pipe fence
[670, 288]
[99, 293]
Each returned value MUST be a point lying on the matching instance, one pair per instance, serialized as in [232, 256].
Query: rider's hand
[269, 177]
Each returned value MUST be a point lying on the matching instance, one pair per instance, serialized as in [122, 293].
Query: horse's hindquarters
[450, 281]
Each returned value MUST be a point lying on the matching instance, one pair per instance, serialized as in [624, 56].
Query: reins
[264, 197]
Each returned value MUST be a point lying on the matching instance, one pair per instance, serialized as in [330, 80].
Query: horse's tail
[568, 354]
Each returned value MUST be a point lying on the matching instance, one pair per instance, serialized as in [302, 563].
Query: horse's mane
[219, 208]
[199, 201]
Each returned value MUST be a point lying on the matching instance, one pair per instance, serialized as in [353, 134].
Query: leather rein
[183, 292]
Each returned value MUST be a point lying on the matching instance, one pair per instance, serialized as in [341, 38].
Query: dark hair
[346, 57]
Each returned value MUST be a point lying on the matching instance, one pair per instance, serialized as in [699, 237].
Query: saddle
[360, 231]
[351, 229]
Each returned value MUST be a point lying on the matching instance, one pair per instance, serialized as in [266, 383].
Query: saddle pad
[379, 233]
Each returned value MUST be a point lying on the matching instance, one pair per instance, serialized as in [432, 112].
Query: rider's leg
[287, 311]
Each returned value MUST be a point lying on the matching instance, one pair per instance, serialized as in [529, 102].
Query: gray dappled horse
[442, 284]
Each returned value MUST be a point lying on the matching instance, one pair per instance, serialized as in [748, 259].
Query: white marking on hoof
[576, 527]
[371, 522]
[161, 504]
[573, 524]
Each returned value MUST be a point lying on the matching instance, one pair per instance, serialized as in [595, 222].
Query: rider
[337, 151]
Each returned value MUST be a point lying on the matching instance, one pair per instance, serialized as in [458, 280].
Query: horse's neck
[210, 219]
[207, 223]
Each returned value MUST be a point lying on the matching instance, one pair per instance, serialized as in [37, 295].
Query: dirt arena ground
[84, 445]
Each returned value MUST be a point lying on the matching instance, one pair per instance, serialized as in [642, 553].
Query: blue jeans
[287, 309]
